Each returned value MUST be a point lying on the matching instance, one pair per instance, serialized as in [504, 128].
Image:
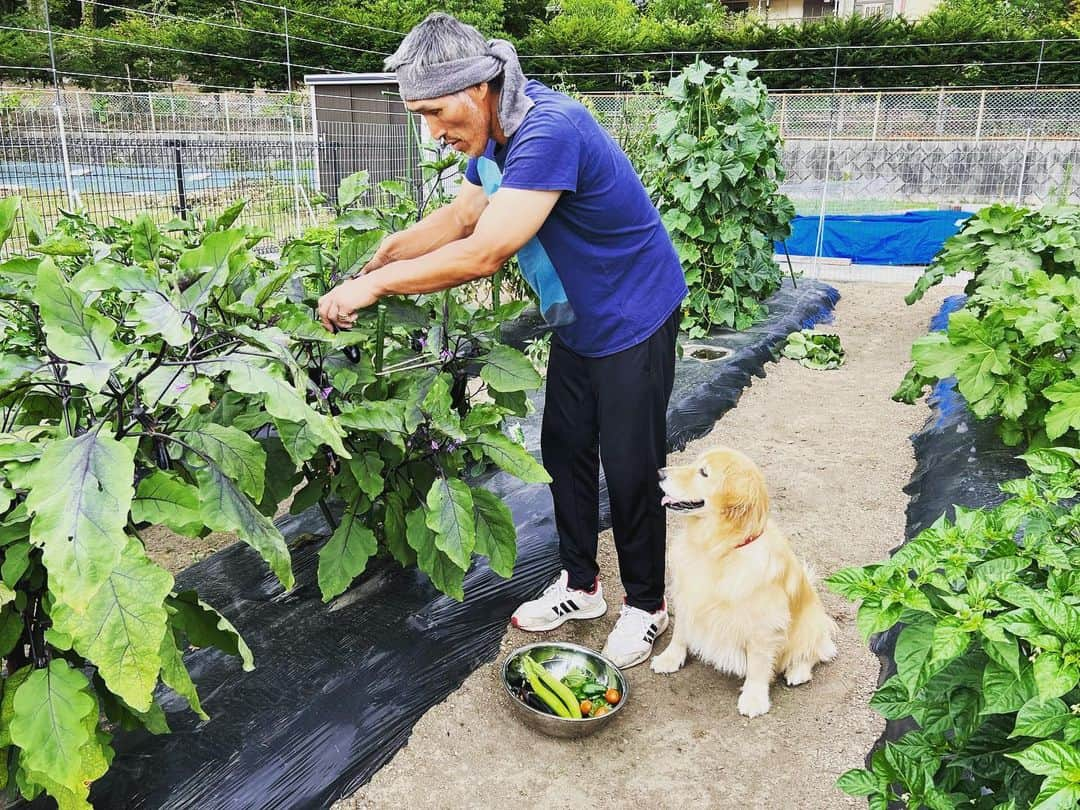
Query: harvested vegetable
[612, 696]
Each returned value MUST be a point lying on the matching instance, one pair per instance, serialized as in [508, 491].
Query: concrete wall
[864, 175]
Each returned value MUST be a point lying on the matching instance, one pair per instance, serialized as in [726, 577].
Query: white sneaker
[557, 604]
[631, 642]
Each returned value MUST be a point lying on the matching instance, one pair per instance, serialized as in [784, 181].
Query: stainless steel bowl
[559, 658]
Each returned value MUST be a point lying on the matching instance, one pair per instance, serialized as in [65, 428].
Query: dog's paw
[798, 675]
[753, 702]
[667, 662]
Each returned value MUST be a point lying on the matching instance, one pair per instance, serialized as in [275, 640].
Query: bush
[169, 375]
[714, 172]
[1013, 348]
[988, 660]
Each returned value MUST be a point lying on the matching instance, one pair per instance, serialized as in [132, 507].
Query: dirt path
[835, 451]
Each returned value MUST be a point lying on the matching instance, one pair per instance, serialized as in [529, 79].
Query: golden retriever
[743, 601]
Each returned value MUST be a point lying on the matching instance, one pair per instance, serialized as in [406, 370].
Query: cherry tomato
[612, 696]
[600, 711]
[586, 707]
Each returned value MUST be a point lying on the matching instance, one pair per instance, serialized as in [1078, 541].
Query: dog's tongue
[666, 500]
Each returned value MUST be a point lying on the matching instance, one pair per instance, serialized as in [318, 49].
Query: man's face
[462, 119]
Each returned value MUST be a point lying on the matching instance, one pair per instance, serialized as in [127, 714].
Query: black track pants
[612, 407]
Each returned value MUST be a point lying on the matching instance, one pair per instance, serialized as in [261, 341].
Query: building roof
[351, 78]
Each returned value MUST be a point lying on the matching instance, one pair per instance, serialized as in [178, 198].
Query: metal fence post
[820, 241]
[292, 126]
[150, 106]
[979, 119]
[877, 118]
[178, 165]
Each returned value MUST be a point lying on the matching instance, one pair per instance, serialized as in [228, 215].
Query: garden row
[980, 611]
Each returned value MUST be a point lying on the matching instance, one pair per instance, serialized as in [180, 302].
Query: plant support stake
[380, 333]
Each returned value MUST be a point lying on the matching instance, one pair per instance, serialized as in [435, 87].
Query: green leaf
[351, 188]
[16, 562]
[1005, 692]
[163, 498]
[298, 440]
[175, 388]
[109, 275]
[345, 555]
[447, 576]
[512, 457]
[1038, 718]
[11, 684]
[1053, 676]
[205, 627]
[508, 370]
[175, 675]
[145, 239]
[1058, 792]
[238, 455]
[496, 536]
[58, 244]
[9, 211]
[450, 516]
[121, 629]
[208, 264]
[75, 332]
[159, 314]
[395, 531]
[851, 583]
[914, 647]
[80, 493]
[284, 402]
[438, 405]
[49, 722]
[366, 470]
[950, 641]
[1065, 413]
[858, 782]
[357, 250]
[1049, 758]
[225, 508]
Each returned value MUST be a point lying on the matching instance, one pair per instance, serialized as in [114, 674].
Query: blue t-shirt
[602, 263]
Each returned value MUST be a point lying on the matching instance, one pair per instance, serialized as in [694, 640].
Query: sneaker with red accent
[631, 641]
[558, 604]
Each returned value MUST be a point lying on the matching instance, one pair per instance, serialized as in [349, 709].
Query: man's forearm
[447, 266]
[438, 228]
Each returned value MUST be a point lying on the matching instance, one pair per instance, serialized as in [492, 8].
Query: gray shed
[360, 123]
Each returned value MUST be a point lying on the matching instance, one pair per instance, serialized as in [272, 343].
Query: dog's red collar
[749, 540]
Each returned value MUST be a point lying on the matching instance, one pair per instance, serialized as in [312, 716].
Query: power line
[229, 27]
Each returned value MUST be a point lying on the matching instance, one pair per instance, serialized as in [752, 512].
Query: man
[546, 182]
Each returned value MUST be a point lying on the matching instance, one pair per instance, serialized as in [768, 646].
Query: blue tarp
[910, 238]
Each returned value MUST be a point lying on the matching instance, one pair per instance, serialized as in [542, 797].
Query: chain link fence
[175, 154]
[867, 152]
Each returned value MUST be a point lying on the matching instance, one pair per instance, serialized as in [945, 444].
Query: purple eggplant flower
[326, 391]
[181, 387]
[434, 445]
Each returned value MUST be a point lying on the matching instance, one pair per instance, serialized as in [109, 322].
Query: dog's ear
[746, 500]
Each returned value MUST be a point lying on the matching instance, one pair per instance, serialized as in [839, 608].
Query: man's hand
[338, 307]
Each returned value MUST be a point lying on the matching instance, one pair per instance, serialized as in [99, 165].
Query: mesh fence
[178, 154]
[866, 152]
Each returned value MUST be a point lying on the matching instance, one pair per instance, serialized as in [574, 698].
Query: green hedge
[581, 27]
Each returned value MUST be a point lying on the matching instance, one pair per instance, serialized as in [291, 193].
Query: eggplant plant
[171, 375]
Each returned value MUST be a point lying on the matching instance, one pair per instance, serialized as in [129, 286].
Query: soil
[836, 453]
